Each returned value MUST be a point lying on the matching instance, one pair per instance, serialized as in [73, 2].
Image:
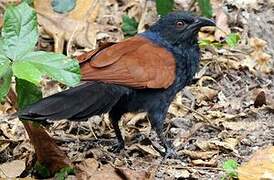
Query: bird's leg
[157, 123]
[115, 117]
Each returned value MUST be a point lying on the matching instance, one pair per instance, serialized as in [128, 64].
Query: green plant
[205, 8]
[230, 167]
[231, 40]
[129, 26]
[164, 6]
[18, 58]
[63, 173]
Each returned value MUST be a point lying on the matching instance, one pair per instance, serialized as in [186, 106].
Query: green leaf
[20, 33]
[230, 167]
[27, 93]
[63, 6]
[129, 25]
[232, 39]
[63, 173]
[34, 65]
[164, 6]
[5, 76]
[27, 71]
[205, 7]
[205, 42]
[41, 170]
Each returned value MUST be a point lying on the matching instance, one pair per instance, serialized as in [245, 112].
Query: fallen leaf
[134, 175]
[146, 149]
[175, 109]
[213, 144]
[92, 169]
[260, 99]
[212, 162]
[203, 93]
[222, 22]
[12, 169]
[199, 154]
[258, 59]
[179, 173]
[260, 166]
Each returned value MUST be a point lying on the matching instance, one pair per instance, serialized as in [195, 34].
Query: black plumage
[167, 55]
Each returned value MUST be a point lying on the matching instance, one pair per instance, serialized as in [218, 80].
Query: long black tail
[78, 103]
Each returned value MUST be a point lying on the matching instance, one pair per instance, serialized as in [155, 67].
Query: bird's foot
[117, 147]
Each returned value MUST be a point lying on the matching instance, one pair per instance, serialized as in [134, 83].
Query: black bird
[139, 74]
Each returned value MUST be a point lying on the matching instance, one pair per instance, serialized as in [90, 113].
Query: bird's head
[179, 27]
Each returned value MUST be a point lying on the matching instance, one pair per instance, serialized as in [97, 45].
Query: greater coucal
[139, 74]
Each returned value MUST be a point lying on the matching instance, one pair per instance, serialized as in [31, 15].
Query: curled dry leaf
[12, 169]
[145, 149]
[222, 22]
[183, 136]
[260, 166]
[179, 173]
[203, 93]
[244, 4]
[5, 108]
[92, 169]
[77, 25]
[228, 143]
[3, 146]
[175, 109]
[136, 122]
[212, 162]
[134, 175]
[198, 154]
[258, 59]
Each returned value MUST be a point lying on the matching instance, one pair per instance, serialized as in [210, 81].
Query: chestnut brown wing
[135, 62]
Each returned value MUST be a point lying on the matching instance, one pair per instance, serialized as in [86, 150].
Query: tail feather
[81, 102]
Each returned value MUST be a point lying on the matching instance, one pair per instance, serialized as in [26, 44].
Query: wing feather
[136, 63]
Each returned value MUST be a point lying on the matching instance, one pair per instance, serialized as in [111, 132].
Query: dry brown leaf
[260, 99]
[3, 146]
[206, 36]
[199, 154]
[77, 25]
[203, 93]
[175, 109]
[241, 125]
[222, 22]
[146, 149]
[212, 162]
[212, 144]
[12, 169]
[244, 4]
[260, 166]
[183, 136]
[91, 169]
[258, 59]
[5, 108]
[135, 175]
[179, 173]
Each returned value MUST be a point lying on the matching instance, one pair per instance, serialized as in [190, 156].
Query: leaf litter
[233, 90]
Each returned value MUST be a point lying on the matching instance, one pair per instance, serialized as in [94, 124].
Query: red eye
[180, 24]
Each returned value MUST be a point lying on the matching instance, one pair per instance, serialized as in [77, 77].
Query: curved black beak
[201, 22]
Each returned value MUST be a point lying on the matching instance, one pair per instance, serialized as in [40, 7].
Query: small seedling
[129, 26]
[230, 167]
